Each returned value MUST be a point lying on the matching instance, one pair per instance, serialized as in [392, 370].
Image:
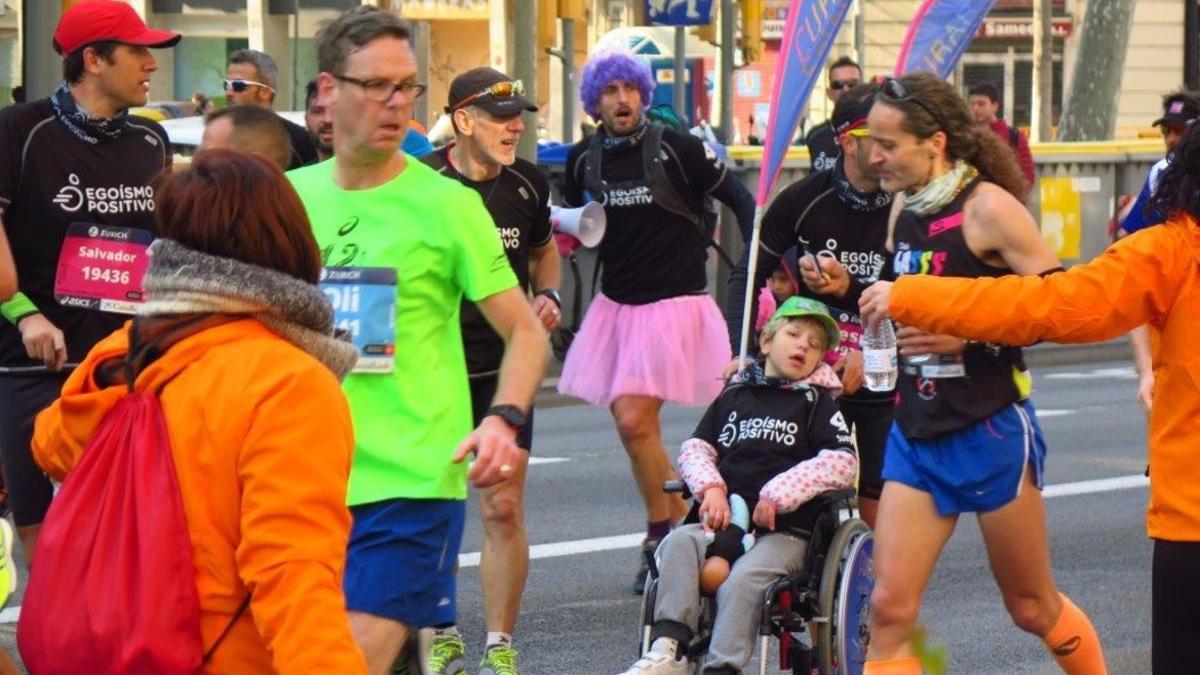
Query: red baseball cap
[95, 21]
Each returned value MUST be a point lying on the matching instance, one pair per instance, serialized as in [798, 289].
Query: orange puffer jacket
[261, 437]
[1150, 277]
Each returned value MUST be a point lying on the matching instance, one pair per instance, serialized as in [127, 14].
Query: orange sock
[1074, 643]
[908, 665]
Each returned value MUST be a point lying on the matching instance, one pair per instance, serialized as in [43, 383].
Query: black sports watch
[553, 295]
[511, 414]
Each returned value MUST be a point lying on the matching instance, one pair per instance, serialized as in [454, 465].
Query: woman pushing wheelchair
[775, 439]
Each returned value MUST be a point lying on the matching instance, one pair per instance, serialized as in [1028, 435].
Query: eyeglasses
[238, 86]
[506, 89]
[383, 90]
[894, 89]
[838, 85]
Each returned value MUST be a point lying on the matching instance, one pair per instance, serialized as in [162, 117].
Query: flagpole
[751, 269]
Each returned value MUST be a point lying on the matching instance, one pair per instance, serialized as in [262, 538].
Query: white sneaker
[657, 663]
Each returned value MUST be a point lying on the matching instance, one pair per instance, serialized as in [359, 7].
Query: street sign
[679, 12]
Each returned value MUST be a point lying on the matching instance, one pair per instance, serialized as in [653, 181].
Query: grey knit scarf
[183, 281]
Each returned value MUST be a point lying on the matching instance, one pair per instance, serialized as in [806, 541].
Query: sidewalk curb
[1044, 355]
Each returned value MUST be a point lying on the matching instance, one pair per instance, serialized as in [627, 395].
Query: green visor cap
[797, 306]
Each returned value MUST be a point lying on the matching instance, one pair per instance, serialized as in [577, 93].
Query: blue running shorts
[402, 559]
[978, 468]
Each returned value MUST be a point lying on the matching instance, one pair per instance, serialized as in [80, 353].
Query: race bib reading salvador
[364, 306]
[101, 267]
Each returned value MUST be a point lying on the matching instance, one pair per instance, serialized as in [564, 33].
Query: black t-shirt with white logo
[649, 253]
[50, 178]
[761, 431]
[519, 201]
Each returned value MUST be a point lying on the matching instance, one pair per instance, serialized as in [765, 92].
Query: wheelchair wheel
[844, 600]
[649, 593]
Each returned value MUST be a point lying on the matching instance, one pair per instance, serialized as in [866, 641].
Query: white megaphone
[585, 223]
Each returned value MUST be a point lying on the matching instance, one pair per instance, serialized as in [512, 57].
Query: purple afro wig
[616, 65]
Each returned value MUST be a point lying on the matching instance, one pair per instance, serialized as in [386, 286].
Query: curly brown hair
[928, 95]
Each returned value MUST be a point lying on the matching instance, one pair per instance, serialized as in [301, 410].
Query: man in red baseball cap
[75, 158]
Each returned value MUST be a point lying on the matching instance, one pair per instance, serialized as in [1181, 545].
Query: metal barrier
[1079, 185]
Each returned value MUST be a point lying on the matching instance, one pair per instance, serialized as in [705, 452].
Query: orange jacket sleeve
[294, 520]
[1132, 283]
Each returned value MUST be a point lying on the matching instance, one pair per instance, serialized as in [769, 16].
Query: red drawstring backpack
[114, 590]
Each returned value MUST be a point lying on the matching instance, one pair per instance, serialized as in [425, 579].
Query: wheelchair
[830, 597]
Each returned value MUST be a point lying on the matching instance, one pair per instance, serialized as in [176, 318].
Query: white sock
[665, 645]
[448, 630]
[498, 640]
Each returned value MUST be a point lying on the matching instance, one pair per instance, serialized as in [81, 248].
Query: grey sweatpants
[739, 600]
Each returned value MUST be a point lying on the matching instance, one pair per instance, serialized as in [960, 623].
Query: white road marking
[547, 460]
[1054, 412]
[1087, 487]
[1123, 373]
[624, 541]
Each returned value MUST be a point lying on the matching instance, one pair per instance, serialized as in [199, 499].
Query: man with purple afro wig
[614, 66]
[653, 334]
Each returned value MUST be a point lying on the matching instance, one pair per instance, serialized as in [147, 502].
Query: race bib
[364, 307]
[852, 331]
[101, 267]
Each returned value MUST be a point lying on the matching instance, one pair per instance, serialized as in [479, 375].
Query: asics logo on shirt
[113, 199]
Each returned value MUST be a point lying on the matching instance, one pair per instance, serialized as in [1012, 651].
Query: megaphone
[585, 223]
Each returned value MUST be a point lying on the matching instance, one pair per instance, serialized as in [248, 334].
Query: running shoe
[657, 663]
[649, 546]
[8, 568]
[447, 655]
[499, 660]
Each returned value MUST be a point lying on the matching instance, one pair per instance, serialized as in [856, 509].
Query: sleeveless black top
[938, 394]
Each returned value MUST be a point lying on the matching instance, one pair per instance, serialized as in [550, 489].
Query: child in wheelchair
[776, 438]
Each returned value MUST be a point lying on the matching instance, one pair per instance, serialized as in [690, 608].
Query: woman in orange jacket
[1151, 277]
[259, 429]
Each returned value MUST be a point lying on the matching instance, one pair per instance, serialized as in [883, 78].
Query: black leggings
[1175, 627]
[21, 399]
[871, 422]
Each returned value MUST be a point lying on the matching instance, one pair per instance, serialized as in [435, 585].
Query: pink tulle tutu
[673, 349]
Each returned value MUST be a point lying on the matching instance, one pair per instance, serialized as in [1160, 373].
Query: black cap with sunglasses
[491, 90]
[1180, 110]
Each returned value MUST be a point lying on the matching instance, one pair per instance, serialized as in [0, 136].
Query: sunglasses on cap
[838, 85]
[506, 89]
[238, 86]
[895, 90]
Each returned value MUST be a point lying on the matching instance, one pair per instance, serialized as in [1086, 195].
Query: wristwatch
[553, 295]
[511, 414]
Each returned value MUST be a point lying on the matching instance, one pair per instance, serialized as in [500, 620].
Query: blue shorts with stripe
[977, 468]
[402, 559]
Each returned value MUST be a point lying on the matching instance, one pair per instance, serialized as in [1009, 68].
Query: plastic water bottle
[879, 356]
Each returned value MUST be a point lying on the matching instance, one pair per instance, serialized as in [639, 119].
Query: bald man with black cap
[485, 107]
[70, 161]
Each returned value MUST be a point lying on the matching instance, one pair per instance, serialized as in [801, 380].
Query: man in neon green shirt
[376, 211]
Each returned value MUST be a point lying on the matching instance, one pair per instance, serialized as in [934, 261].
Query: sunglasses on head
[838, 85]
[895, 90]
[238, 86]
[506, 89]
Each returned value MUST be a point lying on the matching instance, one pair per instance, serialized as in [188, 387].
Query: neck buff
[756, 375]
[941, 190]
[611, 142]
[855, 198]
[89, 129]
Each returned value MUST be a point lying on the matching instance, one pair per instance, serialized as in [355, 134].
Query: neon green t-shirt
[439, 237]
